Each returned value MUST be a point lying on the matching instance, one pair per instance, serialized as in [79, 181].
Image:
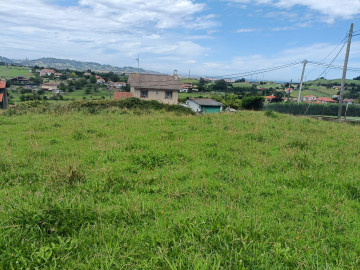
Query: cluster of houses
[111, 84]
[187, 86]
[48, 72]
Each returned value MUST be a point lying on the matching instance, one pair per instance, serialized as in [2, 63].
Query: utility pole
[289, 94]
[344, 72]
[302, 79]
[138, 69]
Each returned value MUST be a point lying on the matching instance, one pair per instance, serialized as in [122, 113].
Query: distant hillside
[74, 65]
[5, 60]
[332, 82]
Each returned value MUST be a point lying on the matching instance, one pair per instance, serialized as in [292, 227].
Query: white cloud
[316, 52]
[285, 28]
[105, 31]
[333, 9]
[247, 30]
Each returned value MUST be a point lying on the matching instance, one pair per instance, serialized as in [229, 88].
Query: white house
[309, 98]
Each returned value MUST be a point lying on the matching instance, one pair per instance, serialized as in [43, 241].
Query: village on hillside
[202, 95]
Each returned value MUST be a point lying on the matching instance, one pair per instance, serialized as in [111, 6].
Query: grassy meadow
[123, 189]
[9, 72]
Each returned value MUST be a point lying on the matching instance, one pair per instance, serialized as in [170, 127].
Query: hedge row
[313, 109]
[96, 106]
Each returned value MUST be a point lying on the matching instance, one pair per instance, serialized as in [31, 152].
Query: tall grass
[165, 191]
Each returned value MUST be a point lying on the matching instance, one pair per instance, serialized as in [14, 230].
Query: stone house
[163, 88]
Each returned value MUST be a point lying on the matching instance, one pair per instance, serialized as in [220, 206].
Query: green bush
[95, 106]
[271, 113]
[255, 103]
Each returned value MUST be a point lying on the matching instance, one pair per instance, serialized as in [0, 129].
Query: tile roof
[270, 97]
[349, 100]
[206, 102]
[326, 99]
[121, 95]
[152, 81]
[2, 85]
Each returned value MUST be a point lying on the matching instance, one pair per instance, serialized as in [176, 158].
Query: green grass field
[319, 91]
[11, 72]
[75, 95]
[124, 189]
[197, 95]
[186, 80]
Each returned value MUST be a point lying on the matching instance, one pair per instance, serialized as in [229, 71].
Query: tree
[252, 103]
[241, 80]
[62, 86]
[87, 91]
[201, 88]
[93, 79]
[220, 85]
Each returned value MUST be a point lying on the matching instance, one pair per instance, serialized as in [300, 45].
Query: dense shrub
[252, 103]
[98, 105]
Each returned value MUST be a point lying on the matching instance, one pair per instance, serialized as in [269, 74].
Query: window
[143, 93]
[168, 94]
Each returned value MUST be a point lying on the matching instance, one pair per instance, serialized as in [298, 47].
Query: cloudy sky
[205, 37]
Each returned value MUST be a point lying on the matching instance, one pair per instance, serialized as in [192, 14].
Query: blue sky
[209, 38]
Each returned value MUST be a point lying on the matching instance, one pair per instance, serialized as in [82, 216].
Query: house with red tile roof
[46, 72]
[50, 86]
[325, 100]
[309, 98]
[100, 81]
[272, 99]
[349, 101]
[119, 84]
[122, 95]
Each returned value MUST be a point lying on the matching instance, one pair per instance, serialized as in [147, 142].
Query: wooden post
[347, 106]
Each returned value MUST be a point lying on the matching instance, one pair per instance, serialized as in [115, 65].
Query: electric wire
[341, 42]
[254, 72]
[332, 61]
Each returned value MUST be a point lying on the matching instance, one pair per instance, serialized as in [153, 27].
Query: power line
[330, 53]
[333, 66]
[332, 61]
[255, 72]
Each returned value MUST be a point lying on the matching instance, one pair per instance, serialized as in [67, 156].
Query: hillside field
[11, 71]
[123, 189]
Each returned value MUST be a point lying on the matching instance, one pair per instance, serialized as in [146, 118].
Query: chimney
[175, 75]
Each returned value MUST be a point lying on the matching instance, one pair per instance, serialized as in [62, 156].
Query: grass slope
[139, 190]
[9, 72]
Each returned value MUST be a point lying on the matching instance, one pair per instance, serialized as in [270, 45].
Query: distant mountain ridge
[74, 65]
